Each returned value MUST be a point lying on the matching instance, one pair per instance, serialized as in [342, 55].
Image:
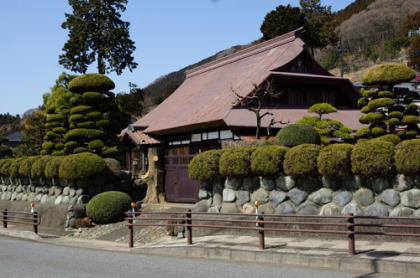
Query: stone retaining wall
[397, 196]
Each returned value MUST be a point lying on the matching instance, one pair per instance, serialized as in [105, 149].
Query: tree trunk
[155, 188]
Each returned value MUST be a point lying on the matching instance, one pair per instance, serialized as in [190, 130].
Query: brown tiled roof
[138, 137]
[205, 98]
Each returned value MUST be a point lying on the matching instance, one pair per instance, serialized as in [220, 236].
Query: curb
[346, 263]
[20, 234]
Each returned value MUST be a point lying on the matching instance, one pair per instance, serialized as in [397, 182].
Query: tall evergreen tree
[320, 26]
[97, 33]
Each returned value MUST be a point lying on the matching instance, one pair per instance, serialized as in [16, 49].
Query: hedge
[334, 160]
[268, 160]
[26, 166]
[91, 82]
[5, 167]
[205, 166]
[38, 167]
[108, 207]
[373, 158]
[301, 161]
[407, 157]
[387, 74]
[52, 166]
[236, 162]
[82, 166]
[296, 134]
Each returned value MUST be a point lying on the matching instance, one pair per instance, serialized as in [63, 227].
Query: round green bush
[111, 152]
[380, 102]
[310, 120]
[236, 162]
[205, 166]
[80, 150]
[301, 161]
[386, 94]
[409, 119]
[55, 118]
[268, 160]
[371, 118]
[58, 153]
[76, 118]
[407, 157]
[82, 166]
[70, 146]
[59, 146]
[395, 114]
[296, 134]
[14, 167]
[387, 74]
[93, 97]
[26, 166]
[334, 160]
[81, 109]
[362, 102]
[108, 207]
[103, 124]
[38, 167]
[378, 131]
[373, 158]
[83, 134]
[51, 136]
[394, 139]
[5, 167]
[93, 115]
[52, 166]
[59, 130]
[91, 82]
[393, 122]
[52, 125]
[365, 109]
[363, 132]
[95, 145]
[368, 93]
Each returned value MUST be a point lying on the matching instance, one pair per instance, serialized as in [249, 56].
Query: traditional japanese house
[203, 111]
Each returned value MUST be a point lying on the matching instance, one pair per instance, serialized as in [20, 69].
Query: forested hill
[9, 123]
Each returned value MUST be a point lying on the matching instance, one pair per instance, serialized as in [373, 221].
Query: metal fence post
[350, 235]
[130, 230]
[261, 232]
[35, 216]
[5, 218]
[189, 228]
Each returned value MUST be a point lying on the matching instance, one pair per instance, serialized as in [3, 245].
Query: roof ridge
[255, 49]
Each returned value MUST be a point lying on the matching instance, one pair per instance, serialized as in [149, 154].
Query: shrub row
[74, 167]
[379, 157]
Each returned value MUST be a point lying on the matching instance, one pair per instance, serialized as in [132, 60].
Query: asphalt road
[24, 258]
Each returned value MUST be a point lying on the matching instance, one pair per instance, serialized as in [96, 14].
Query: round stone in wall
[267, 183]
[201, 206]
[233, 183]
[330, 209]
[44, 199]
[364, 197]
[390, 197]
[261, 195]
[58, 200]
[351, 182]
[411, 198]
[229, 195]
[297, 196]
[248, 208]
[229, 208]
[308, 209]
[285, 183]
[378, 184]
[65, 199]
[321, 197]
[251, 184]
[401, 211]
[31, 197]
[203, 194]
[286, 208]
[266, 208]
[13, 197]
[242, 197]
[25, 197]
[276, 197]
[217, 199]
[342, 198]
[352, 208]
[401, 183]
[376, 210]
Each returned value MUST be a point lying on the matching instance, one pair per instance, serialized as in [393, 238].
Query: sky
[168, 35]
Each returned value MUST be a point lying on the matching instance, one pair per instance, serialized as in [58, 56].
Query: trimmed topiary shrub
[104, 124]
[93, 97]
[407, 157]
[82, 166]
[371, 118]
[236, 162]
[205, 166]
[296, 134]
[83, 134]
[108, 207]
[51, 136]
[93, 115]
[301, 161]
[52, 166]
[394, 139]
[59, 130]
[14, 167]
[58, 153]
[80, 150]
[95, 145]
[81, 109]
[26, 166]
[38, 167]
[55, 118]
[387, 74]
[111, 152]
[268, 160]
[76, 118]
[373, 158]
[91, 82]
[334, 160]
[88, 124]
[380, 102]
[5, 167]
[70, 146]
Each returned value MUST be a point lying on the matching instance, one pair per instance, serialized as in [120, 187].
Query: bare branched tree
[254, 102]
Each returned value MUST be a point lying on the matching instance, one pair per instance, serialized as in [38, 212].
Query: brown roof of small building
[205, 98]
[138, 137]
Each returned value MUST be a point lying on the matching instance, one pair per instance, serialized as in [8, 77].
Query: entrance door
[178, 185]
